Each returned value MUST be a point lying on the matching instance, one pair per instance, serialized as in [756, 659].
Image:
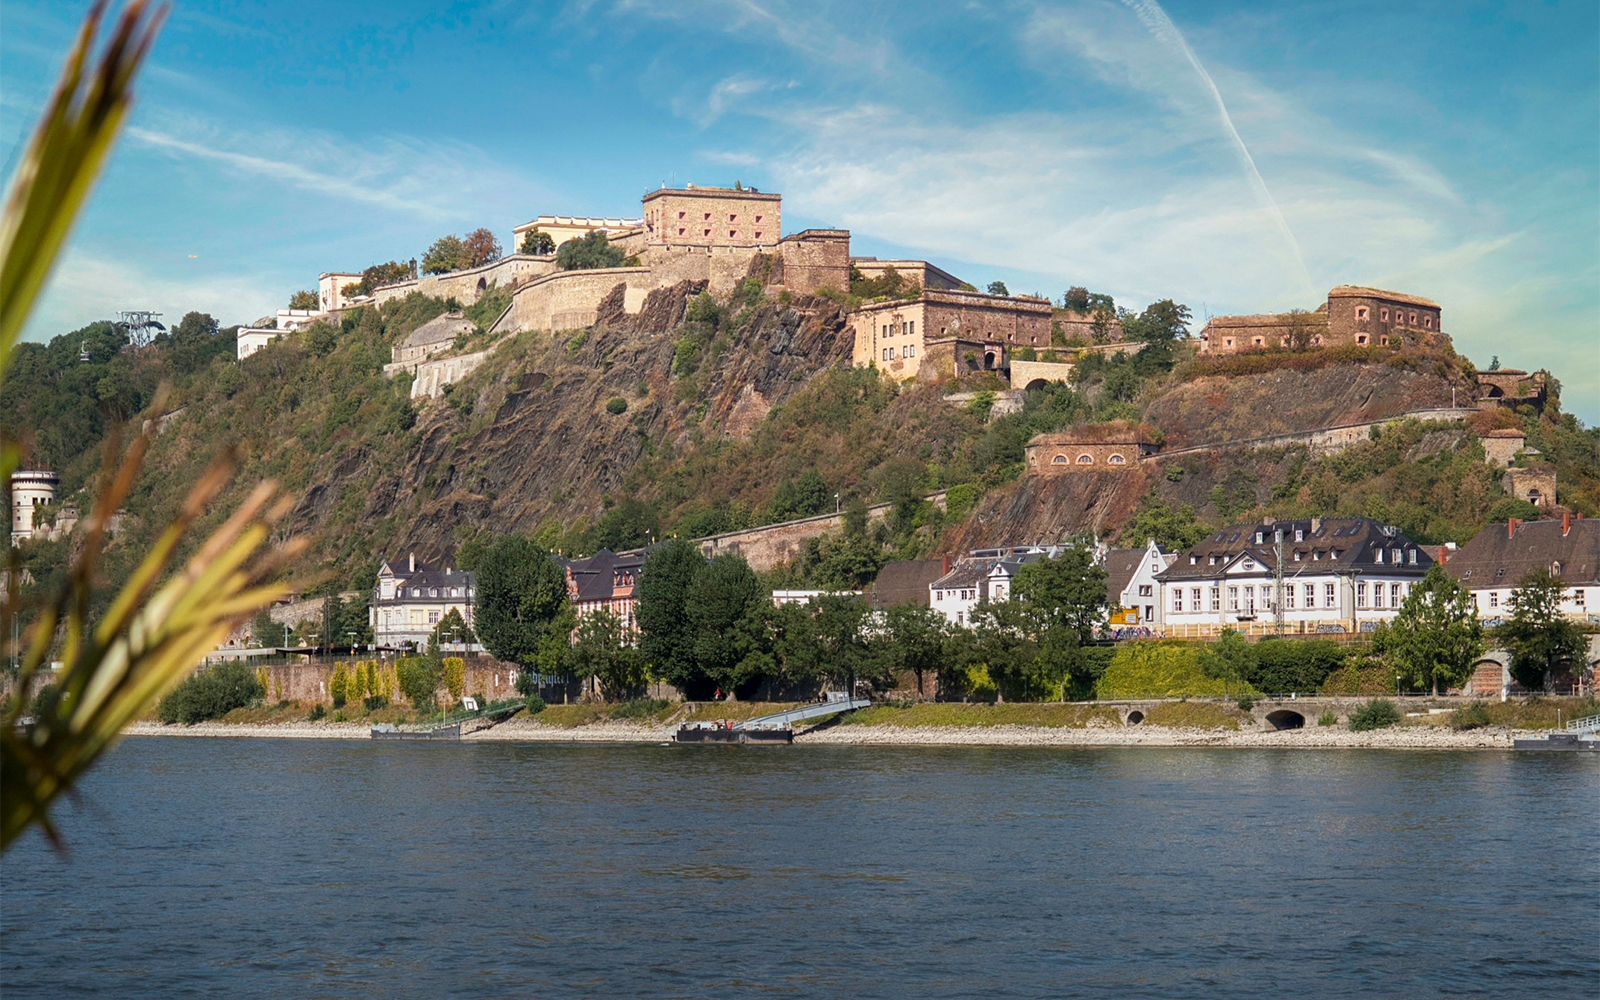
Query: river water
[289, 868]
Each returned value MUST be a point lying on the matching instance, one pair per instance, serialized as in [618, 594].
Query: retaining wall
[775, 544]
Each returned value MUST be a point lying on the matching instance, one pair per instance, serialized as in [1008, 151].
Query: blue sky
[1238, 158]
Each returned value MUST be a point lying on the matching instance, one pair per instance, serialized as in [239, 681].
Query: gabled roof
[968, 572]
[1121, 564]
[1346, 545]
[1502, 554]
[905, 582]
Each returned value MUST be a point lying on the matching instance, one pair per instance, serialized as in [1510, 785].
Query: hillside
[696, 416]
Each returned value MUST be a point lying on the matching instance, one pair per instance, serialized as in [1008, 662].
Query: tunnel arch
[1035, 385]
[989, 360]
[1285, 718]
[1135, 717]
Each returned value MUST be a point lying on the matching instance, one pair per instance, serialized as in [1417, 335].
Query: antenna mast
[140, 325]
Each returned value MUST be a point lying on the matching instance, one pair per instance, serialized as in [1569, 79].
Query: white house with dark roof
[1337, 575]
[1501, 555]
[986, 574]
[410, 599]
[1132, 585]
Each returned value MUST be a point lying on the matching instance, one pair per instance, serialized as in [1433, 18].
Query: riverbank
[1410, 737]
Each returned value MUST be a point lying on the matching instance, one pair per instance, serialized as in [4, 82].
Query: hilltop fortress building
[1351, 315]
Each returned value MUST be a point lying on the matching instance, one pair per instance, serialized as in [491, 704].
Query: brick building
[1104, 448]
[712, 217]
[943, 331]
[1352, 315]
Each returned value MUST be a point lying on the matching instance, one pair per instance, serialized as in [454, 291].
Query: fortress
[1351, 315]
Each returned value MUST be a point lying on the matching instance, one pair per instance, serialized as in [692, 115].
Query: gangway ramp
[784, 720]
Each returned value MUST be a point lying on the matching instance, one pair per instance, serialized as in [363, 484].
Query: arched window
[1555, 568]
[1059, 460]
[1116, 460]
[1085, 459]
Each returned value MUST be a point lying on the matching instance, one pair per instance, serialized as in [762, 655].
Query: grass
[1194, 715]
[958, 715]
[1518, 713]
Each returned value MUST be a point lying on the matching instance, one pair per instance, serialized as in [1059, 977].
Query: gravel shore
[531, 731]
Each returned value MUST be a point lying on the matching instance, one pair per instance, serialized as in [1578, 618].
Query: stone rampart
[570, 300]
[775, 544]
[1025, 373]
[308, 681]
[467, 286]
[1324, 441]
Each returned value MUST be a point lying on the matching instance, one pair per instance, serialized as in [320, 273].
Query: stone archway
[1285, 718]
[1135, 717]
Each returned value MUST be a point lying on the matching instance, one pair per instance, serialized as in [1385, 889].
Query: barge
[1585, 743]
[388, 732]
[768, 729]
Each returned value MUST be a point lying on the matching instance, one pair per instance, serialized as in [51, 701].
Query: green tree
[629, 525]
[600, 649]
[804, 496]
[1168, 527]
[998, 288]
[304, 299]
[1436, 636]
[444, 256]
[844, 655]
[1161, 323]
[537, 243]
[666, 637]
[1538, 636]
[211, 694]
[722, 603]
[265, 632]
[588, 251]
[522, 611]
[419, 678]
[1066, 592]
[452, 627]
[912, 639]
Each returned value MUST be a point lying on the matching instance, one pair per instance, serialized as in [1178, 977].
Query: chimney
[1566, 522]
[946, 558]
[1316, 525]
[1511, 527]
[413, 562]
[1442, 556]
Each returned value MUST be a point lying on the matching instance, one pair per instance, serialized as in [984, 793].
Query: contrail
[1153, 17]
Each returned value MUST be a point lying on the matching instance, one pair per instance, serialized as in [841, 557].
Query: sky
[1237, 157]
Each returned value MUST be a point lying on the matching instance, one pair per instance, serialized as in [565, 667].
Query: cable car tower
[140, 325]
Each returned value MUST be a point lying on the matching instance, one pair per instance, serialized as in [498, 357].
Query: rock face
[1039, 509]
[536, 442]
[1219, 408]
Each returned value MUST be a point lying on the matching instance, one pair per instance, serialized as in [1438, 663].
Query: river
[305, 868]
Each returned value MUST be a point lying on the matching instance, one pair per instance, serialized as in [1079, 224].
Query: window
[1427, 322]
[681, 215]
[1146, 590]
[1297, 555]
[1260, 536]
[1193, 559]
[708, 217]
[733, 234]
[1578, 596]
[1311, 596]
[708, 232]
[885, 353]
[1494, 598]
[1361, 595]
[433, 618]
[1085, 459]
[1177, 600]
[758, 220]
[1250, 599]
[681, 231]
[911, 350]
[1116, 460]
[1383, 314]
[1413, 319]
[1216, 599]
[758, 234]
[1362, 312]
[1299, 534]
[1288, 597]
[1233, 598]
[1361, 338]
[1330, 599]
[1194, 599]
[1555, 568]
[1059, 460]
[1316, 555]
[1377, 557]
[911, 328]
[1411, 556]
[733, 216]
[1377, 595]
[1229, 342]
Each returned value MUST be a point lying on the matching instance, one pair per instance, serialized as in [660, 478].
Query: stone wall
[1050, 457]
[815, 259]
[1020, 321]
[468, 286]
[307, 682]
[1025, 373]
[775, 544]
[712, 217]
[1537, 486]
[570, 300]
[436, 373]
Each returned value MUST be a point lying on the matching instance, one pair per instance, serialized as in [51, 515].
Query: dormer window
[1411, 556]
[1316, 556]
[1212, 561]
[1377, 557]
[1193, 560]
[1299, 534]
[1259, 537]
[1555, 569]
[1297, 555]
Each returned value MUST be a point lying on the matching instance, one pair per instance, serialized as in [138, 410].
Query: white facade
[29, 489]
[1143, 593]
[252, 340]
[330, 289]
[1494, 603]
[410, 601]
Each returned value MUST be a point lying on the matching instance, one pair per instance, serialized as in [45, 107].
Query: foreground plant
[166, 617]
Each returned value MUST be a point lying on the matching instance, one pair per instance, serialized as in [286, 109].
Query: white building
[253, 339]
[1132, 585]
[330, 289]
[410, 599]
[1337, 575]
[987, 574]
[1501, 555]
[561, 228]
[29, 489]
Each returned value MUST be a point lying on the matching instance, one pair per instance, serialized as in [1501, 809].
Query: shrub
[1246, 703]
[535, 704]
[1473, 716]
[639, 708]
[1160, 670]
[318, 711]
[419, 678]
[616, 405]
[1380, 713]
[455, 676]
[210, 694]
[1328, 718]
[373, 702]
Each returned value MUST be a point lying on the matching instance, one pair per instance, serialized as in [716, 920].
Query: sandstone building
[561, 228]
[945, 331]
[1103, 448]
[1351, 315]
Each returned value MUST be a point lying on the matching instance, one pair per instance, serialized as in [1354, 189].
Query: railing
[780, 719]
[1587, 724]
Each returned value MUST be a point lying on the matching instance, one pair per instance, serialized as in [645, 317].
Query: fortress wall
[775, 544]
[569, 300]
[1024, 372]
[463, 285]
[814, 260]
[435, 373]
[307, 682]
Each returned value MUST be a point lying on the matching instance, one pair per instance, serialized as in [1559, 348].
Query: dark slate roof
[428, 578]
[968, 572]
[596, 576]
[1497, 557]
[905, 582]
[1356, 540]
[1121, 564]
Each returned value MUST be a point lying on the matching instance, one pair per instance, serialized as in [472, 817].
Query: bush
[1473, 716]
[616, 405]
[1380, 713]
[1246, 703]
[318, 712]
[211, 694]
[374, 702]
[1160, 670]
[1328, 718]
[418, 678]
[535, 704]
[639, 708]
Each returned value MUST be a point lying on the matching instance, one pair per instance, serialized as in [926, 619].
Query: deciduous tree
[589, 251]
[479, 248]
[1538, 636]
[1436, 636]
[666, 636]
[522, 612]
[601, 649]
[537, 243]
[444, 256]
